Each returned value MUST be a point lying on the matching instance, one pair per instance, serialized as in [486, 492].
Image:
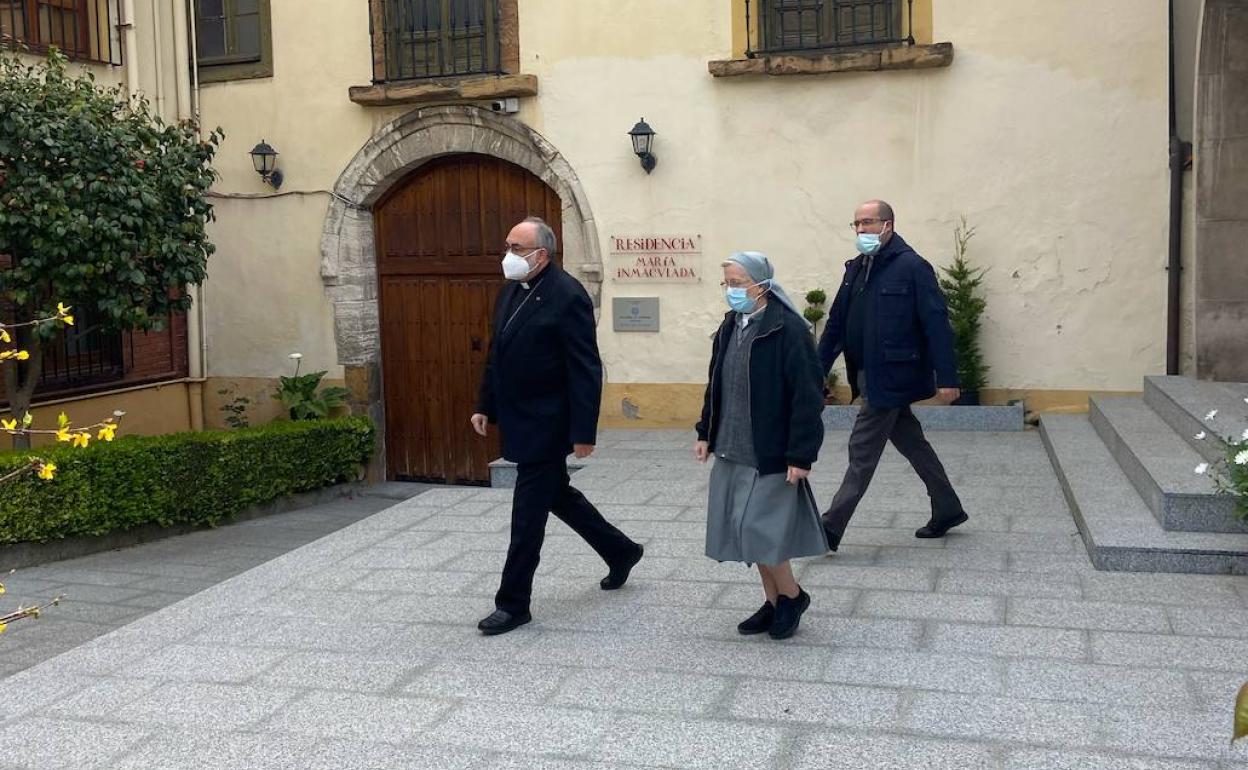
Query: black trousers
[874, 428]
[543, 488]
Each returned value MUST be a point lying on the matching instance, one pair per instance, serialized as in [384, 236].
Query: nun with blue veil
[762, 421]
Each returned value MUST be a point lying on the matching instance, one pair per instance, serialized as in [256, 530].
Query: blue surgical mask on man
[869, 243]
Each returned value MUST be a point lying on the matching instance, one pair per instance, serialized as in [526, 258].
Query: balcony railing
[415, 39]
[811, 26]
[85, 30]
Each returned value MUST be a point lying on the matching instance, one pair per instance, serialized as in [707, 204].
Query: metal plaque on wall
[635, 314]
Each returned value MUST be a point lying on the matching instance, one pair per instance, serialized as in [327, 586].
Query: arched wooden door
[441, 233]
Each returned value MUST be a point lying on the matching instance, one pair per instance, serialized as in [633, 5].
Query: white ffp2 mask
[516, 267]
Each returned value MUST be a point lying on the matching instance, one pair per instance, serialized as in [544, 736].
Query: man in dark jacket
[889, 319]
[543, 386]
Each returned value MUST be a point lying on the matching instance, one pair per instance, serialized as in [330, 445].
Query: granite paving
[999, 647]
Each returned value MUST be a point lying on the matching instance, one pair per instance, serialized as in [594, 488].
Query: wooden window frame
[90, 45]
[236, 66]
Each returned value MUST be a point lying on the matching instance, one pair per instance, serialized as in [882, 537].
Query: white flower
[1212, 413]
[1200, 436]
[1242, 458]
[1200, 469]
[118, 413]
[1244, 437]
[296, 356]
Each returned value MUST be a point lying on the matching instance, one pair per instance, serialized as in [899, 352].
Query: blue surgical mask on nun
[740, 300]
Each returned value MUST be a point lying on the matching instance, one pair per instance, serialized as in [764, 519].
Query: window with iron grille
[436, 38]
[233, 39]
[812, 25]
[81, 29]
[82, 355]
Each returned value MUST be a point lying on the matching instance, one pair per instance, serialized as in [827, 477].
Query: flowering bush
[1230, 474]
[44, 468]
[101, 203]
[1230, 477]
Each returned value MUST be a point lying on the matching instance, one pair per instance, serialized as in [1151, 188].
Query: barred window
[436, 38]
[81, 29]
[83, 354]
[806, 25]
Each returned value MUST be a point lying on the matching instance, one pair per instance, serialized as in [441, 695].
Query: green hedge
[183, 478]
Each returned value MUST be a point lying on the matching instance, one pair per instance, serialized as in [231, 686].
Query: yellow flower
[81, 439]
[107, 431]
[69, 319]
[22, 355]
[5, 355]
[62, 434]
[62, 420]
[4, 336]
[61, 309]
[2, 627]
[46, 471]
[1, 588]
[9, 424]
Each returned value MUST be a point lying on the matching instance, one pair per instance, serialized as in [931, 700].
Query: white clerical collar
[744, 320]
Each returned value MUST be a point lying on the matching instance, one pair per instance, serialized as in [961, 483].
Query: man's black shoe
[758, 622]
[788, 614]
[834, 537]
[939, 528]
[619, 573]
[501, 621]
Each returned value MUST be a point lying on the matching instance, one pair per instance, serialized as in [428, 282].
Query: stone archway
[1221, 184]
[348, 254]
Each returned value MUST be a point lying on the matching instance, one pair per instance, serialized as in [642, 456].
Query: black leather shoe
[788, 614]
[758, 622]
[939, 528]
[834, 537]
[501, 621]
[619, 573]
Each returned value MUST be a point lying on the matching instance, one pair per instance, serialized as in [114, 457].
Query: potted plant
[834, 379]
[961, 287]
[814, 312]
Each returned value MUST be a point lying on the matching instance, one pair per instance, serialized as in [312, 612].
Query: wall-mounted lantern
[643, 139]
[264, 158]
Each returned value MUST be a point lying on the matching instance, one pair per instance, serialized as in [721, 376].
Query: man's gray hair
[545, 236]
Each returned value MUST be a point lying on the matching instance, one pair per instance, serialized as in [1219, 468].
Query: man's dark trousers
[872, 430]
[542, 488]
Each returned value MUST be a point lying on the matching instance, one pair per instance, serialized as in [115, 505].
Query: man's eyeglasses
[866, 222]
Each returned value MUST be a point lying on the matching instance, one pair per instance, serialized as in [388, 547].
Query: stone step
[1118, 529]
[940, 418]
[1183, 403]
[503, 472]
[1161, 465]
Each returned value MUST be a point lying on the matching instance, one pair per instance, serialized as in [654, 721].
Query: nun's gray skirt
[760, 519]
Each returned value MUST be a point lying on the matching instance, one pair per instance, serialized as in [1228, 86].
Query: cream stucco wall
[1049, 136]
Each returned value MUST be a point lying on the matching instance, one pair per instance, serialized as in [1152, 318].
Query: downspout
[182, 64]
[130, 49]
[158, 35]
[1174, 266]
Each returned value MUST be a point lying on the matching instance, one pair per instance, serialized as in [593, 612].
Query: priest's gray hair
[545, 236]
